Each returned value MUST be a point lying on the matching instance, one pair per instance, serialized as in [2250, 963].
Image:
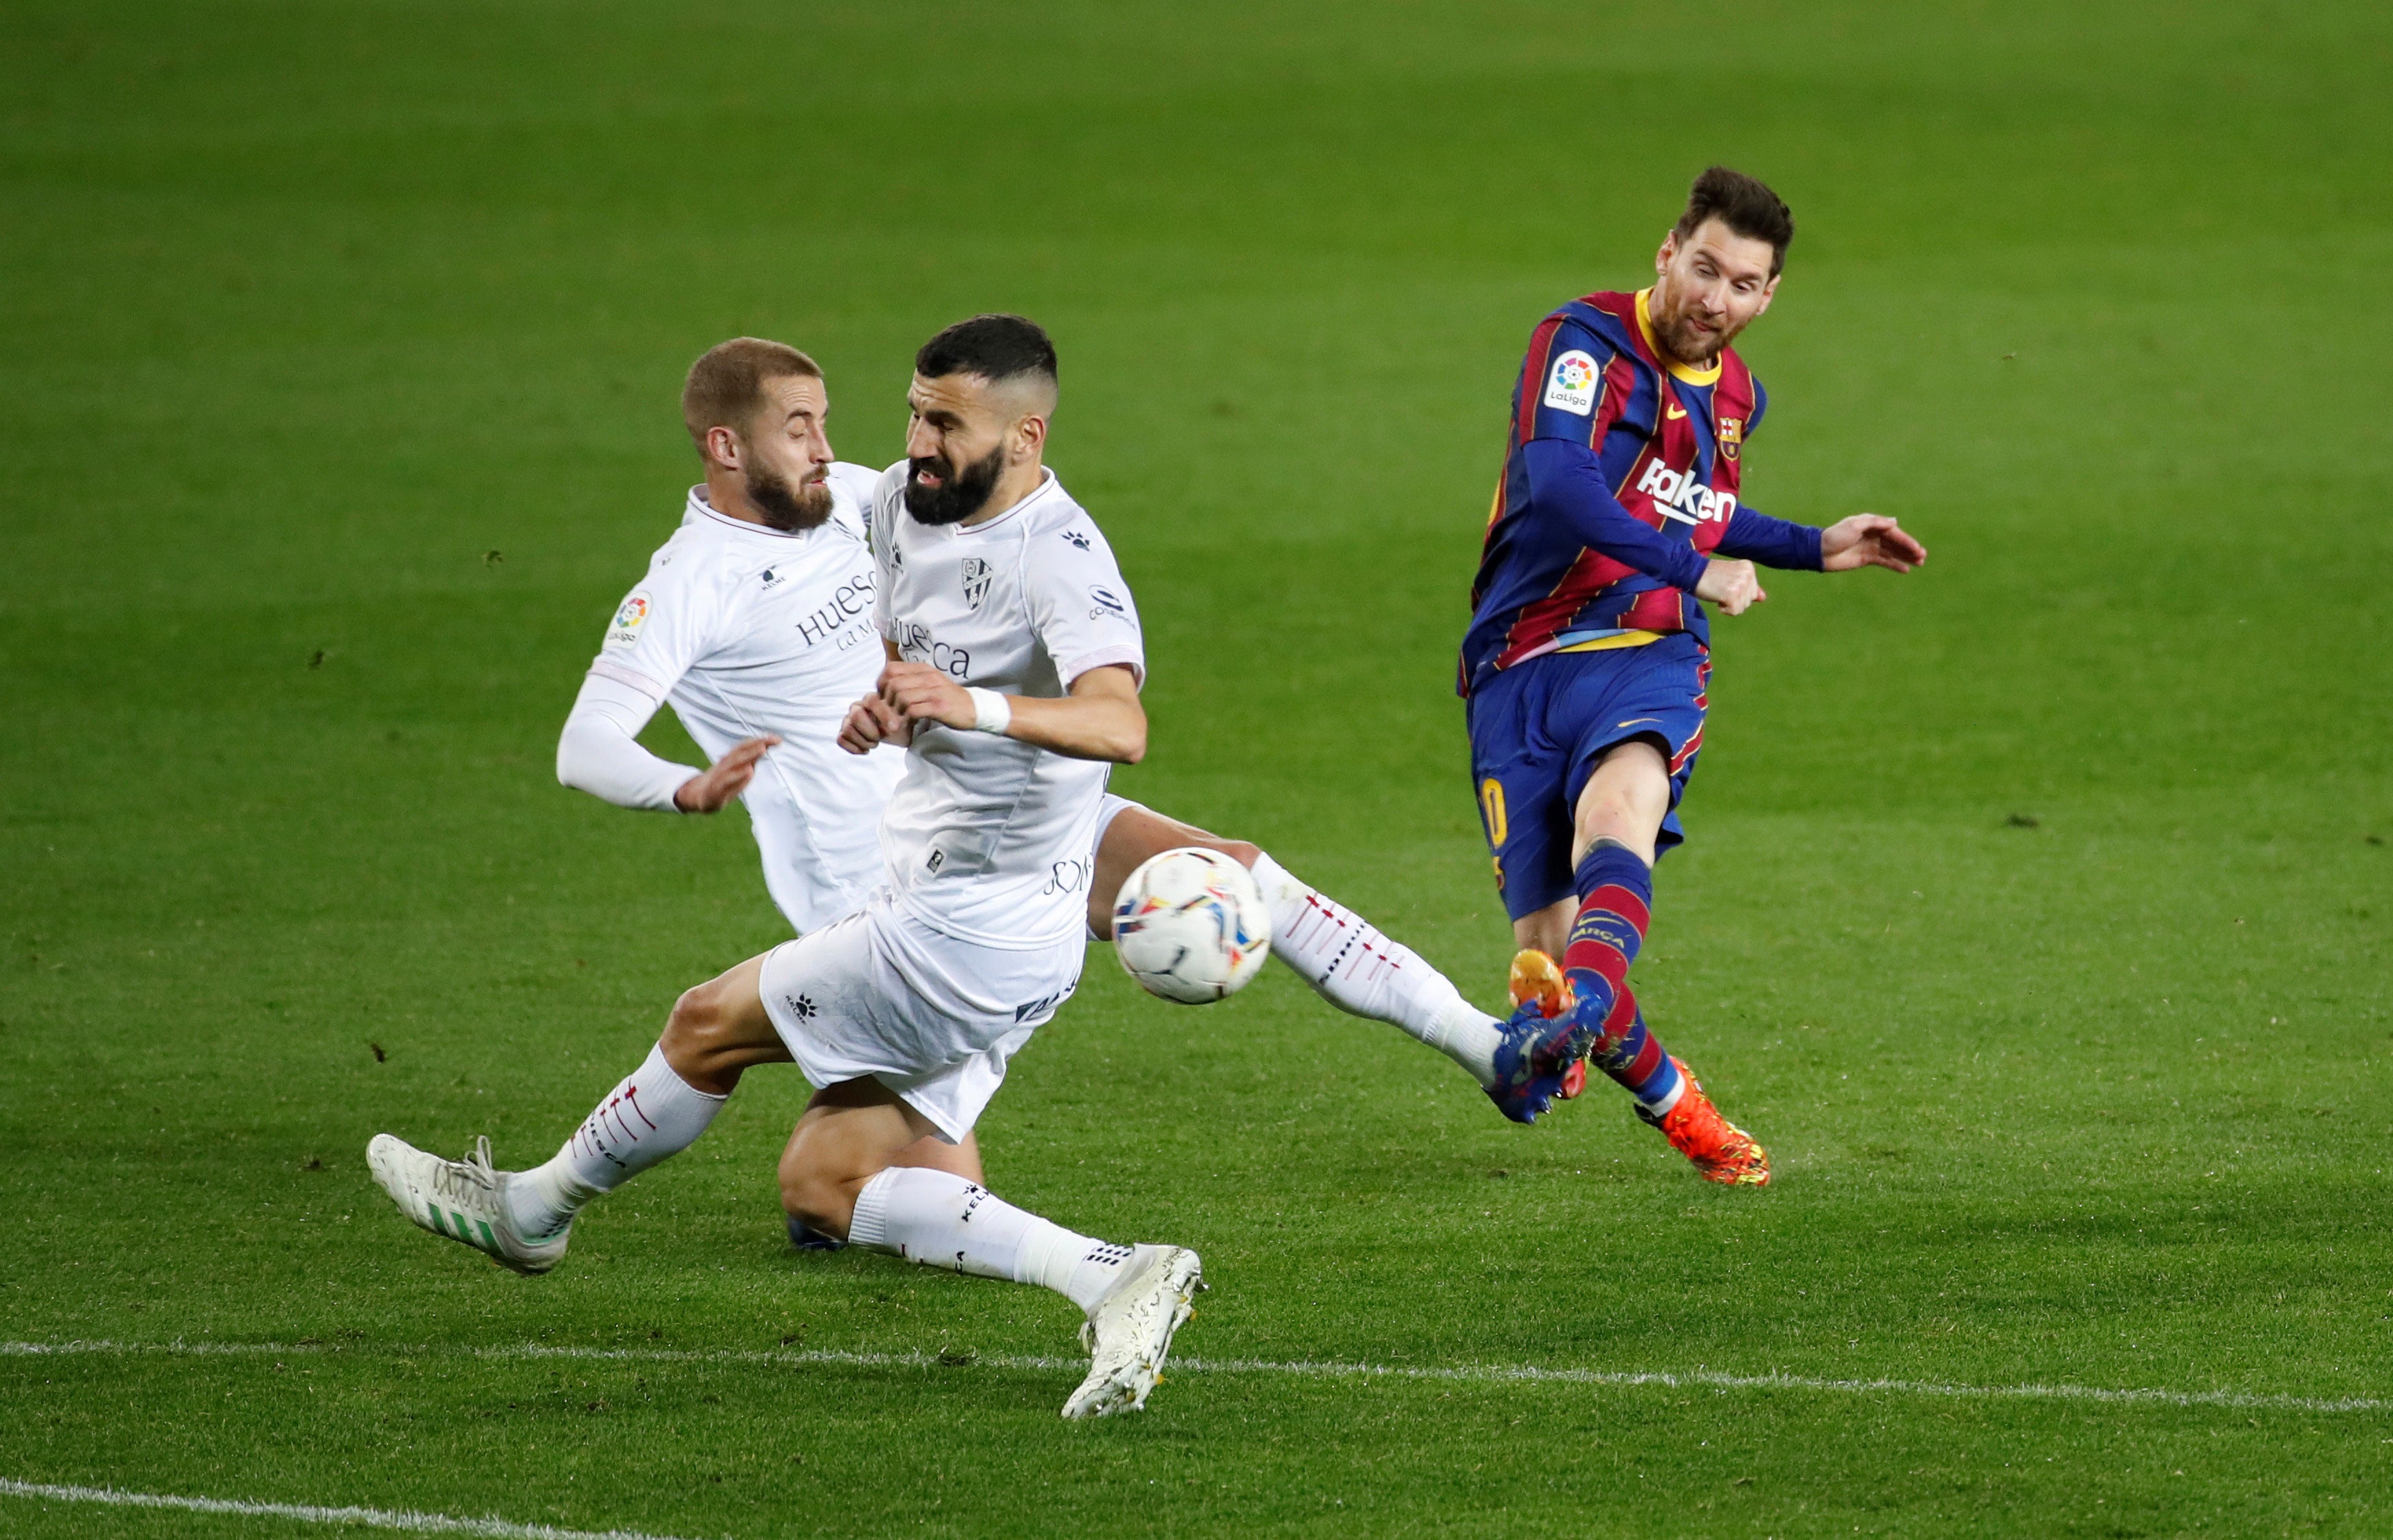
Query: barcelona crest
[1732, 436]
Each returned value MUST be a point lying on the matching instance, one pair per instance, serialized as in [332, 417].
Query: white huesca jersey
[749, 631]
[989, 838]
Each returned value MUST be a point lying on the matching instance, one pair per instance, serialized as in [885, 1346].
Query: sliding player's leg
[1351, 964]
[839, 1176]
[524, 1219]
[906, 1033]
[930, 1151]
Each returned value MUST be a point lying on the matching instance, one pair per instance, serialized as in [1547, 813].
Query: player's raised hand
[921, 693]
[1868, 540]
[1732, 585]
[869, 723]
[725, 779]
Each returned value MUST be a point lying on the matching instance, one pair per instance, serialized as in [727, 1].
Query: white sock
[654, 1113]
[1359, 971]
[939, 1219]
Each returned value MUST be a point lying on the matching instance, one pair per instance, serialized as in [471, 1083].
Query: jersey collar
[1677, 370]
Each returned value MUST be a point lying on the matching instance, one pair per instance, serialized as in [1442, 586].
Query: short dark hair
[1746, 205]
[727, 384]
[995, 348]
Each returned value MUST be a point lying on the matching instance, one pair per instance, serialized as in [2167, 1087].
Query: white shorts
[933, 1018]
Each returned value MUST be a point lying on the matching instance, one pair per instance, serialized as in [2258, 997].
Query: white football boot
[1131, 1329]
[463, 1200]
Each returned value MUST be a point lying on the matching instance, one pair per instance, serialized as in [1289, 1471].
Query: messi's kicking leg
[1351, 964]
[1598, 935]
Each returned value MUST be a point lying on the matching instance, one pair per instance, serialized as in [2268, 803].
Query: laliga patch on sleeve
[629, 619]
[1572, 386]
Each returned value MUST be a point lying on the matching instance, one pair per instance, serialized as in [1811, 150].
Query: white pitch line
[308, 1513]
[1484, 1374]
[178, 1348]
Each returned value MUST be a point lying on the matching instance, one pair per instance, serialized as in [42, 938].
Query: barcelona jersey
[1620, 479]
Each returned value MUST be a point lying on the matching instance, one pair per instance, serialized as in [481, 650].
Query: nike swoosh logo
[1674, 412]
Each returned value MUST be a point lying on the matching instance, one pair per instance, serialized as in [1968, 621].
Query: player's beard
[959, 495]
[786, 508]
[1684, 342]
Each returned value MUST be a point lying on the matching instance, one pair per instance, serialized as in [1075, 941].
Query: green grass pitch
[2036, 912]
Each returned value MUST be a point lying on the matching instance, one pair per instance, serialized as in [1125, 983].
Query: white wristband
[991, 712]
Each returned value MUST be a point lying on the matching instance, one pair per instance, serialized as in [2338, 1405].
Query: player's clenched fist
[869, 723]
[1732, 585]
[921, 693]
[711, 788]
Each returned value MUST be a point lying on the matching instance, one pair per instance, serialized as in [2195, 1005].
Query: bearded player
[1586, 660]
[903, 1014]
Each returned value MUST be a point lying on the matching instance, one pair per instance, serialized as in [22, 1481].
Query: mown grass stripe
[367, 1518]
[1467, 1373]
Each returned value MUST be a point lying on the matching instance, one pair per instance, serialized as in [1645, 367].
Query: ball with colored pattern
[1192, 926]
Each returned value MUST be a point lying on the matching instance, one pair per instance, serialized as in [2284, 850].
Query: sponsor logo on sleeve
[976, 575]
[1109, 605]
[628, 621]
[1571, 384]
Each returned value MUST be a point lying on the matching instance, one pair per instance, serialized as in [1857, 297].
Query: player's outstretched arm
[599, 752]
[1100, 720]
[1868, 540]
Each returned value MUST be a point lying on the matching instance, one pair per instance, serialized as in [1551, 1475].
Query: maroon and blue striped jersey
[1620, 479]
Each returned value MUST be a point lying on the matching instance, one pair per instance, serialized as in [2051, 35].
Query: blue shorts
[1538, 728]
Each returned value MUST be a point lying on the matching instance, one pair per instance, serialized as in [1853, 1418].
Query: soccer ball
[1191, 926]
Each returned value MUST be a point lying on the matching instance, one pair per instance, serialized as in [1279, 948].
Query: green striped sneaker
[464, 1200]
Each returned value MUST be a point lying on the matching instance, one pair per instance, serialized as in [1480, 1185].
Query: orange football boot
[1537, 978]
[1721, 1150]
